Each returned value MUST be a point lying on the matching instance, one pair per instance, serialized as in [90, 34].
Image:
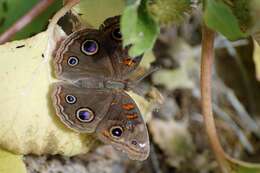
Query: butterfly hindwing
[124, 128]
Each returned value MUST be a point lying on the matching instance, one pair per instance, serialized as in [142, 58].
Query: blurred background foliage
[12, 10]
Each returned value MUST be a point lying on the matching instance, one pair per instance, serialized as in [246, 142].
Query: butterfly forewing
[123, 64]
[83, 55]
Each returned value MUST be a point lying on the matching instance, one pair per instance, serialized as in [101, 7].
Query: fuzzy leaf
[218, 16]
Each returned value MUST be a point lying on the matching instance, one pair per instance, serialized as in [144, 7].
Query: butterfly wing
[82, 54]
[123, 64]
[78, 108]
[124, 128]
[95, 53]
[112, 114]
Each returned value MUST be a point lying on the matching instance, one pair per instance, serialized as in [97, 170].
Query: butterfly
[93, 69]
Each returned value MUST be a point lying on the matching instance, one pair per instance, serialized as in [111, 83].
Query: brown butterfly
[91, 98]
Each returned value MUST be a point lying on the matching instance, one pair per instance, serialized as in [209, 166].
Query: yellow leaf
[11, 163]
[27, 119]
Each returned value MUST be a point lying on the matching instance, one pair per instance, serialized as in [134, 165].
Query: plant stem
[206, 67]
[26, 19]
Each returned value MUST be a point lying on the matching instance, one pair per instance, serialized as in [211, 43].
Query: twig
[26, 19]
[206, 66]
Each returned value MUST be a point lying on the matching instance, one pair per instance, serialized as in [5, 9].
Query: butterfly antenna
[132, 84]
[147, 73]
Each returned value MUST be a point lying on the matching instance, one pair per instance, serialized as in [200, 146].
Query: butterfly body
[93, 69]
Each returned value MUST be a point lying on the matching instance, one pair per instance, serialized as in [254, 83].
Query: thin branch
[206, 67]
[26, 19]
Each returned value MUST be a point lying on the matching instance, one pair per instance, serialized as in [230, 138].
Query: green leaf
[219, 16]
[11, 163]
[138, 27]
[129, 18]
[95, 12]
[236, 166]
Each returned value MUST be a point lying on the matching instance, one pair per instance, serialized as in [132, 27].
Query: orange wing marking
[132, 116]
[128, 106]
[129, 62]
